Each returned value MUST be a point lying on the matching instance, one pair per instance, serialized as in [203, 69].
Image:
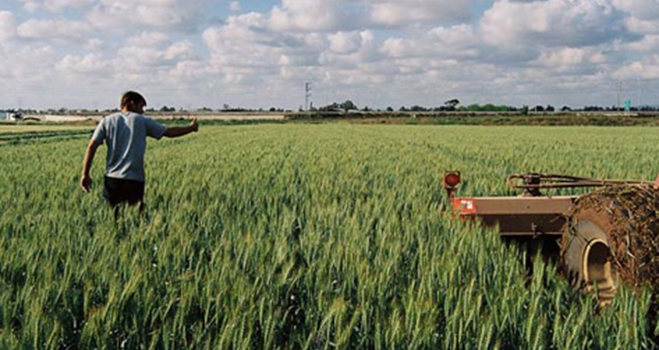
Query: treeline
[616, 108]
[163, 109]
[452, 105]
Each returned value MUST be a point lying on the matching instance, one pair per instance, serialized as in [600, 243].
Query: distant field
[299, 236]
[25, 134]
[237, 116]
[397, 118]
[20, 128]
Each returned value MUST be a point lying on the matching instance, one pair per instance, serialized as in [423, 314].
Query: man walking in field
[125, 135]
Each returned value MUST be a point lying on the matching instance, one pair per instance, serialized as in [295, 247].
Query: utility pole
[638, 93]
[619, 88]
[307, 95]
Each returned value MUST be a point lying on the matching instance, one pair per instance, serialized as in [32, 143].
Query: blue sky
[377, 53]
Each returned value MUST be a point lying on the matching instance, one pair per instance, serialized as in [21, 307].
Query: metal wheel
[587, 256]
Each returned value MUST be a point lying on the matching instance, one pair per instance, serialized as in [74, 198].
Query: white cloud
[30, 63]
[377, 52]
[178, 51]
[394, 12]
[87, 65]
[152, 51]
[94, 44]
[246, 41]
[148, 40]
[170, 15]
[54, 5]
[60, 5]
[456, 42]
[31, 5]
[350, 50]
[53, 29]
[345, 15]
[649, 44]
[345, 42]
[646, 68]
[641, 9]
[235, 6]
[189, 71]
[571, 60]
[642, 26]
[552, 23]
[8, 23]
[399, 48]
[309, 15]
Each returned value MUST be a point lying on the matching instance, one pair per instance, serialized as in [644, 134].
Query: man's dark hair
[131, 98]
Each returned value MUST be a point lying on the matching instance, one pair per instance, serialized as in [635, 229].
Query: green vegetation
[518, 118]
[302, 236]
[8, 128]
[42, 135]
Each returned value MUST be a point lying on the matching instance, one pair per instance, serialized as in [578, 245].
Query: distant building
[10, 115]
[15, 116]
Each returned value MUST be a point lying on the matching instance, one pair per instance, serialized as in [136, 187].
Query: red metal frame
[517, 216]
[532, 213]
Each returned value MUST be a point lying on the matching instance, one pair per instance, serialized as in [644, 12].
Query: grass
[301, 237]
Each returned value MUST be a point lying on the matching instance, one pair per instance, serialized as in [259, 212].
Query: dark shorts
[120, 191]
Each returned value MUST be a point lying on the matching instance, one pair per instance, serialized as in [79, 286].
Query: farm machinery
[602, 239]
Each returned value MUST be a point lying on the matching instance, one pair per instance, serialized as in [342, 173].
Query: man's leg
[119, 191]
[135, 193]
[112, 193]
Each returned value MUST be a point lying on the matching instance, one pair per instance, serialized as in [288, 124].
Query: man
[125, 136]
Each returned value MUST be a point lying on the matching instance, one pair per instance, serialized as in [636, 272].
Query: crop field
[22, 135]
[299, 236]
[11, 128]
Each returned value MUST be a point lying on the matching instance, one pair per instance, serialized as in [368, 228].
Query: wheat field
[299, 236]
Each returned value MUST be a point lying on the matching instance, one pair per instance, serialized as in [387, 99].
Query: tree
[451, 104]
[347, 105]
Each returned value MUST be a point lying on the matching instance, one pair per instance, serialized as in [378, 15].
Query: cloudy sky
[377, 53]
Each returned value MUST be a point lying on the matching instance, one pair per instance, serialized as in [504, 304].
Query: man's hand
[86, 180]
[86, 183]
[176, 131]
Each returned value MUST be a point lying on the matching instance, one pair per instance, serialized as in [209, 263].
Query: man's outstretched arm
[176, 131]
[86, 180]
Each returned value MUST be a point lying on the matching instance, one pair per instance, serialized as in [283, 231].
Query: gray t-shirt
[125, 135]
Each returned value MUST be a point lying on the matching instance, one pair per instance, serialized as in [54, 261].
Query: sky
[376, 53]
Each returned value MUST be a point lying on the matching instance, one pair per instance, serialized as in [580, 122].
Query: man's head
[132, 101]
